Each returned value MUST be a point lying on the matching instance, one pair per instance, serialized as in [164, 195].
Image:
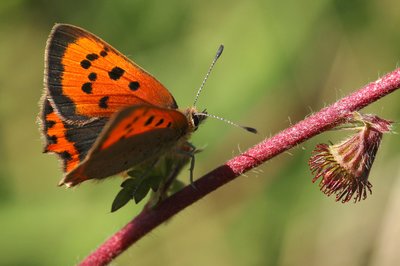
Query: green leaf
[121, 199]
[135, 173]
[130, 187]
[141, 190]
[155, 181]
[131, 183]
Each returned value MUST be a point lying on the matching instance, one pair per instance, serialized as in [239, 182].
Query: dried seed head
[344, 167]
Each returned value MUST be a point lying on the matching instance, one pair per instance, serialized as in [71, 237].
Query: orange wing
[85, 77]
[135, 135]
[70, 142]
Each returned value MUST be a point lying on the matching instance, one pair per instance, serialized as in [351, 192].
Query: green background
[282, 61]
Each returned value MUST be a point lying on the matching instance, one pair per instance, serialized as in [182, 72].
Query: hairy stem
[323, 120]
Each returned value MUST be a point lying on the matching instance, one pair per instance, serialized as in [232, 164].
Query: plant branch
[321, 121]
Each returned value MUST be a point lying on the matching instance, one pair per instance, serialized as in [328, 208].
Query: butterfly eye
[197, 119]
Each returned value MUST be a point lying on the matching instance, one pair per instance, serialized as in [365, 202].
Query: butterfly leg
[189, 150]
[191, 169]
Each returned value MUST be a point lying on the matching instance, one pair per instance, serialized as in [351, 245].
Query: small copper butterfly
[102, 114]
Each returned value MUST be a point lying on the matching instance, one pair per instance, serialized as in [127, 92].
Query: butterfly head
[195, 118]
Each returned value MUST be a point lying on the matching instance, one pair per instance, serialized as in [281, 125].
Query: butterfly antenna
[217, 55]
[250, 129]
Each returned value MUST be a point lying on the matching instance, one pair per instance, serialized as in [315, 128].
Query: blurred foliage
[282, 61]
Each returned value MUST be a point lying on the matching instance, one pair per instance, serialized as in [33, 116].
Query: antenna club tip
[220, 50]
[251, 129]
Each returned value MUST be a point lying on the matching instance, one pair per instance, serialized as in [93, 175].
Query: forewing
[86, 77]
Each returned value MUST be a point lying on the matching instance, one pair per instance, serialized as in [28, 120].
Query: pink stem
[325, 119]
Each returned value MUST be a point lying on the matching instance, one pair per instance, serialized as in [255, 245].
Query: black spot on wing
[116, 73]
[103, 102]
[85, 64]
[65, 155]
[49, 123]
[92, 76]
[92, 57]
[135, 119]
[129, 125]
[47, 108]
[52, 139]
[149, 120]
[160, 122]
[87, 88]
[103, 53]
[134, 85]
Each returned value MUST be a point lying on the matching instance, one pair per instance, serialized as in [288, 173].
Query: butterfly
[102, 114]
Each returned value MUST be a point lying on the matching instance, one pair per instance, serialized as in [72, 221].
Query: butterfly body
[102, 114]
